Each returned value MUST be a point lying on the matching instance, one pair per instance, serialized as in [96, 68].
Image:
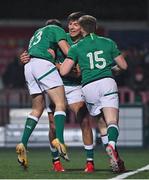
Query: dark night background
[103, 9]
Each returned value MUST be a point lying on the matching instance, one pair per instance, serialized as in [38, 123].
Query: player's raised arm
[64, 46]
[66, 66]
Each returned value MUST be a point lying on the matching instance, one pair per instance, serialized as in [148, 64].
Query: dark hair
[88, 23]
[53, 22]
[75, 16]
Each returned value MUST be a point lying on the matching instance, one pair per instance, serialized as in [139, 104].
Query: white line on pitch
[125, 175]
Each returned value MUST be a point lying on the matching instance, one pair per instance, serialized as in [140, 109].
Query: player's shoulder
[104, 39]
[53, 27]
[107, 41]
[80, 42]
[50, 28]
[74, 46]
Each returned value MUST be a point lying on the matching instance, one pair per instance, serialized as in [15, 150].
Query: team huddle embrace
[73, 71]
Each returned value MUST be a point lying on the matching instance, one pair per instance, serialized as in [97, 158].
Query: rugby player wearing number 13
[42, 76]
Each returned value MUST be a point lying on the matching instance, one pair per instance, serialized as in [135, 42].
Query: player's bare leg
[111, 118]
[83, 118]
[57, 95]
[32, 120]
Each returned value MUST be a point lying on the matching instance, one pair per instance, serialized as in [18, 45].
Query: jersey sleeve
[72, 53]
[114, 49]
[60, 34]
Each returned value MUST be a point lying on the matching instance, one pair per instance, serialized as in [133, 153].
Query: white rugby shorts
[41, 75]
[99, 94]
[73, 95]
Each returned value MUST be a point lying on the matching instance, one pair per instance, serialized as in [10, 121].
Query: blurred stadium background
[125, 21]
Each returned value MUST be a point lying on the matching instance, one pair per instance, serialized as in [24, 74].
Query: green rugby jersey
[68, 81]
[45, 38]
[95, 56]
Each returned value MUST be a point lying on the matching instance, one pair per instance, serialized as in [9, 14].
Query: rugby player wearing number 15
[95, 56]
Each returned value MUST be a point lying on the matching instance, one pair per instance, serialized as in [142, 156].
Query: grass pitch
[40, 164]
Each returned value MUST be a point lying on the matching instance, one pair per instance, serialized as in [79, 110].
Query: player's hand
[116, 70]
[76, 70]
[51, 51]
[58, 65]
[24, 57]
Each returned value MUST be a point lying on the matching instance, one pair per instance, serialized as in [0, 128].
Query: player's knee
[81, 114]
[60, 107]
[85, 124]
[37, 112]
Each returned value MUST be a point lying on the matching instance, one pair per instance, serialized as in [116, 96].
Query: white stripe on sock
[113, 125]
[88, 147]
[33, 117]
[59, 113]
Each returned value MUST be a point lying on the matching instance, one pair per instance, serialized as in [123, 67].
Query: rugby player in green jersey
[74, 98]
[42, 76]
[95, 56]
[75, 102]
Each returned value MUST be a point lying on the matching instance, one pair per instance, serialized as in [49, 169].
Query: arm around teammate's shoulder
[64, 46]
